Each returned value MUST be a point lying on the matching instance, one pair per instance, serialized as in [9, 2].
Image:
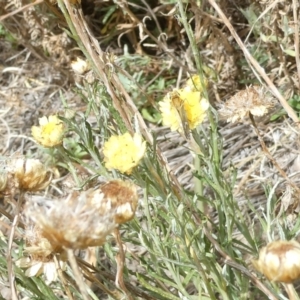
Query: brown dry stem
[77, 274]
[289, 288]
[62, 278]
[86, 267]
[120, 259]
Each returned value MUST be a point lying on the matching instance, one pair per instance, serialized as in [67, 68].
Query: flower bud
[80, 66]
[279, 261]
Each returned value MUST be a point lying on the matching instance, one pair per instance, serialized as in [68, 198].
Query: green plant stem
[192, 41]
[71, 168]
[229, 261]
[199, 67]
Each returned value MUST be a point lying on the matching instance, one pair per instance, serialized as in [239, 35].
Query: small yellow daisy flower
[50, 132]
[195, 107]
[124, 152]
[182, 104]
[194, 84]
[170, 109]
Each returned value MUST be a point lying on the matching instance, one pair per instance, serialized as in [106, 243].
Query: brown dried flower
[124, 199]
[29, 174]
[38, 257]
[85, 218]
[251, 100]
[279, 261]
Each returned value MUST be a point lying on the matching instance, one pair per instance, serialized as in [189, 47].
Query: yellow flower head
[124, 152]
[181, 106]
[194, 84]
[50, 132]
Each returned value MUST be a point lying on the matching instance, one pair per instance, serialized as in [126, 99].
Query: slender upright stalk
[120, 258]
[77, 274]
[11, 276]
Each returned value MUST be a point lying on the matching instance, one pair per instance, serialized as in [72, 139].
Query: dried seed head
[39, 255]
[85, 218]
[251, 100]
[123, 197]
[29, 174]
[37, 246]
[280, 261]
[81, 220]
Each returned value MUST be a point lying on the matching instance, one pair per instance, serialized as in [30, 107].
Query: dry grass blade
[120, 258]
[77, 274]
[271, 158]
[296, 26]
[20, 9]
